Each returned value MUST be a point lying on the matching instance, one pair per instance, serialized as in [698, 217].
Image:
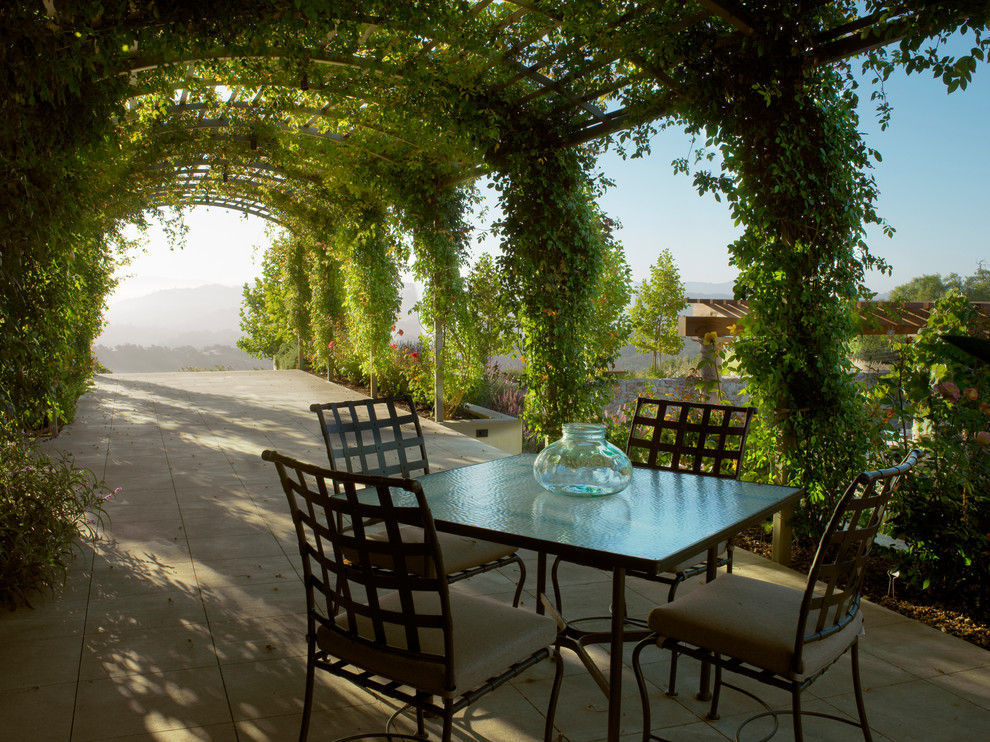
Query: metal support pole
[371, 373]
[438, 370]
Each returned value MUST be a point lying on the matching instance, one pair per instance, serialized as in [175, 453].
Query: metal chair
[377, 436]
[398, 631]
[779, 635]
[690, 437]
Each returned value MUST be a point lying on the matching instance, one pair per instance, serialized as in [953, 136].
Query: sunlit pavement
[184, 620]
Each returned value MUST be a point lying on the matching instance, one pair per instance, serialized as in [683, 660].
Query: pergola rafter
[522, 52]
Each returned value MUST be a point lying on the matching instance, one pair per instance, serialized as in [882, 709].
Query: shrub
[937, 399]
[46, 503]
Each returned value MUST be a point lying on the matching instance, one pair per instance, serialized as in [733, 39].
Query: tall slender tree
[654, 313]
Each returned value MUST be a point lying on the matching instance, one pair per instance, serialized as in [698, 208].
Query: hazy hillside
[199, 327]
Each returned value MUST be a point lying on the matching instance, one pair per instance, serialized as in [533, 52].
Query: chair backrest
[706, 439]
[387, 614]
[832, 594]
[374, 436]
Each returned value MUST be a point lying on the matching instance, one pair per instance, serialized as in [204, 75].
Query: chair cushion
[488, 637]
[751, 620]
[459, 552]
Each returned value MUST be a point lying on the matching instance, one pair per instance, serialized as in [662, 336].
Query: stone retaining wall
[627, 390]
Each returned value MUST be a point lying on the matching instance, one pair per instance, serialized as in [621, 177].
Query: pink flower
[330, 344]
[983, 438]
[948, 390]
[393, 346]
[971, 394]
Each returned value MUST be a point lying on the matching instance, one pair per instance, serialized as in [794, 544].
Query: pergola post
[438, 351]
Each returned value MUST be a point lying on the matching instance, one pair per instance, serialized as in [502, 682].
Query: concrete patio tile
[38, 661]
[160, 609]
[148, 704]
[874, 671]
[815, 728]
[38, 713]
[110, 654]
[922, 650]
[214, 733]
[162, 507]
[973, 685]
[47, 617]
[920, 710]
[248, 570]
[252, 601]
[253, 639]
[261, 544]
[324, 725]
[117, 574]
[275, 687]
[225, 659]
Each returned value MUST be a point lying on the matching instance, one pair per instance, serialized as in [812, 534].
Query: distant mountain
[196, 317]
[702, 290]
[200, 317]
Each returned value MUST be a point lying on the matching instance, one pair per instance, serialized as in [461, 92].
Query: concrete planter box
[501, 431]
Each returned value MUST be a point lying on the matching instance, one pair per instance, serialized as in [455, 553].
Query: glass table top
[660, 519]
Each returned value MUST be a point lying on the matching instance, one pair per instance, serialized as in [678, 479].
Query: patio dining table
[660, 520]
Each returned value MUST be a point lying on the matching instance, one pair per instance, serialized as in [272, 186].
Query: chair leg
[796, 713]
[644, 697]
[448, 723]
[858, 688]
[558, 676]
[421, 724]
[308, 697]
[672, 680]
[520, 583]
[557, 597]
[716, 693]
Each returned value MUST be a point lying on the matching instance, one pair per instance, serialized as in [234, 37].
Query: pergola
[874, 317]
[359, 128]
[345, 88]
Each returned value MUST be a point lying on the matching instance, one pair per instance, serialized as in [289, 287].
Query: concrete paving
[184, 620]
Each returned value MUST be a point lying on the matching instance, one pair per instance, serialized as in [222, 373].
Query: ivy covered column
[441, 235]
[372, 255]
[552, 256]
[796, 175]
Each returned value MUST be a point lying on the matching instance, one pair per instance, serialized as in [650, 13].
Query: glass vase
[583, 463]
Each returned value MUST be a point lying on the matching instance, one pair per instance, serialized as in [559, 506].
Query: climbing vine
[352, 123]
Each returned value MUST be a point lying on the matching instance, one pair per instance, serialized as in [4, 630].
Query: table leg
[615, 660]
[704, 685]
[541, 580]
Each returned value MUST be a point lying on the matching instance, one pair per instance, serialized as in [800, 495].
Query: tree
[263, 319]
[491, 328]
[932, 287]
[654, 313]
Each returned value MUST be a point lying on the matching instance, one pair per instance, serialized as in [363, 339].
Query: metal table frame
[662, 519]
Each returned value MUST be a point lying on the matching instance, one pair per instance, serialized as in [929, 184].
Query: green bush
[46, 504]
[937, 399]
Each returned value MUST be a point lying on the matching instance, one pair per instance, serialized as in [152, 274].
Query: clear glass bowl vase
[583, 463]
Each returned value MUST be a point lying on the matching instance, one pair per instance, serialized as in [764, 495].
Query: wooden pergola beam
[875, 317]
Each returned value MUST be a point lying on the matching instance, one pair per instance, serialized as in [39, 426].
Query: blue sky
[934, 185]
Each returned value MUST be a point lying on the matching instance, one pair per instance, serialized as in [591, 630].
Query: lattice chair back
[832, 595]
[690, 437]
[392, 620]
[374, 436]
